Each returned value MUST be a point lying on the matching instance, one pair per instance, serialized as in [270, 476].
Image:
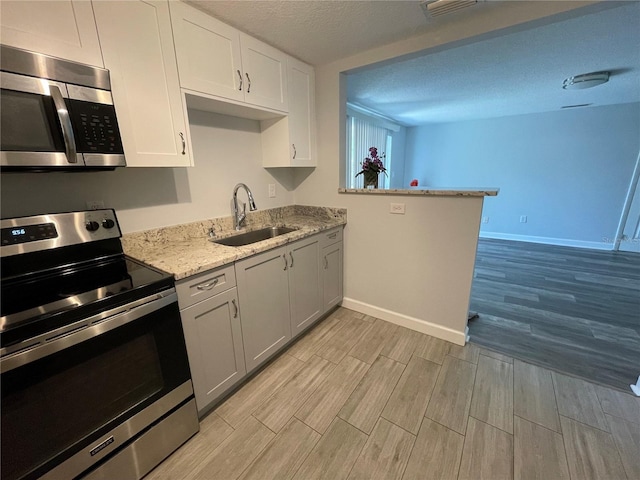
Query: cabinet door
[305, 283]
[332, 275]
[64, 29]
[137, 44]
[302, 123]
[263, 290]
[265, 74]
[208, 53]
[214, 344]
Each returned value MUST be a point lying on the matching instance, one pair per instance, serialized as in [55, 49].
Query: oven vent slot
[65, 333]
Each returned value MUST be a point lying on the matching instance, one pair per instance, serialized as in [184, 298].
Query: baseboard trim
[417, 324]
[563, 242]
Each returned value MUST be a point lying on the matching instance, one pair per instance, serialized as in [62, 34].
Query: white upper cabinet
[216, 59]
[265, 73]
[302, 113]
[208, 53]
[63, 29]
[137, 45]
[291, 141]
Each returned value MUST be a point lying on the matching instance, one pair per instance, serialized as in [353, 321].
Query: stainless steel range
[95, 380]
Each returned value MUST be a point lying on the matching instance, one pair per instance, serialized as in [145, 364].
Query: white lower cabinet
[332, 276]
[238, 316]
[332, 269]
[213, 335]
[281, 296]
[263, 290]
[305, 283]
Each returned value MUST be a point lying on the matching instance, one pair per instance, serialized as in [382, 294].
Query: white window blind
[361, 135]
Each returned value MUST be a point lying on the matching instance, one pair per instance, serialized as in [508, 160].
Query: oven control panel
[28, 233]
[43, 232]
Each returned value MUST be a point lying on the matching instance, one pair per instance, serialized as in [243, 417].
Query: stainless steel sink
[254, 236]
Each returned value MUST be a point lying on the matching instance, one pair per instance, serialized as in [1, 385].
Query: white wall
[414, 269]
[227, 150]
[568, 171]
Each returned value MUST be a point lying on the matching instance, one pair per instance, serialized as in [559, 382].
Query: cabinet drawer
[205, 285]
[331, 236]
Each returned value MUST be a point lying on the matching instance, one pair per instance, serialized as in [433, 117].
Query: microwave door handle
[65, 123]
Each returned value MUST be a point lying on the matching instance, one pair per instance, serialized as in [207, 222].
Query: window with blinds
[363, 134]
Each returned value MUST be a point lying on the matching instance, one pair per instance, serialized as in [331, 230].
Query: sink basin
[254, 236]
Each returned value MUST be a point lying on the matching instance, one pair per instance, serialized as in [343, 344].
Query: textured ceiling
[513, 74]
[509, 75]
[321, 31]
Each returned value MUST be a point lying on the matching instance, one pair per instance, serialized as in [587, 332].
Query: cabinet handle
[291, 255]
[235, 313]
[333, 235]
[240, 77]
[184, 144]
[284, 257]
[248, 83]
[326, 262]
[295, 152]
[207, 286]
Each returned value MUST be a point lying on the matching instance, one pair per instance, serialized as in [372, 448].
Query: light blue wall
[399, 140]
[567, 171]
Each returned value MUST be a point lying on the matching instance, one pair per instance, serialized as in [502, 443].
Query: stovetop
[45, 287]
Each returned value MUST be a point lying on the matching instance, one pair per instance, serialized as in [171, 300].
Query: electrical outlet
[523, 219]
[272, 190]
[95, 204]
[397, 208]
[485, 219]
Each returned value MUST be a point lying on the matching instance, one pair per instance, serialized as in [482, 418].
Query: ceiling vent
[437, 8]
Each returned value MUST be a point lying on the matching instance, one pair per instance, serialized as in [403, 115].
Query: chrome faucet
[239, 217]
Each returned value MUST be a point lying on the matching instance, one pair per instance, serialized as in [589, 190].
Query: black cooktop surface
[40, 300]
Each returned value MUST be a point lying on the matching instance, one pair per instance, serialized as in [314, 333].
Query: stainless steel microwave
[56, 114]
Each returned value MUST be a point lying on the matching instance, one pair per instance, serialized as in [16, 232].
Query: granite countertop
[434, 192]
[185, 250]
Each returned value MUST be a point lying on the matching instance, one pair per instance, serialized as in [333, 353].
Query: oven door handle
[65, 123]
[70, 335]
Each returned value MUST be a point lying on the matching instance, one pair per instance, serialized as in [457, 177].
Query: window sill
[433, 192]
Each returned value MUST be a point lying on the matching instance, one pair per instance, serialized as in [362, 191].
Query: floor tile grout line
[265, 425]
[473, 392]
[464, 444]
[585, 425]
[492, 426]
[574, 419]
[536, 424]
[618, 450]
[266, 398]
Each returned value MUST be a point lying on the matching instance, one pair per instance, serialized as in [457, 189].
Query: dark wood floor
[569, 309]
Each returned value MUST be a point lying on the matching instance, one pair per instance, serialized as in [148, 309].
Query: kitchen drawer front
[331, 236]
[204, 285]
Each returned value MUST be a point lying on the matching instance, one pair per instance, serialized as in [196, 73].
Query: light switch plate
[397, 208]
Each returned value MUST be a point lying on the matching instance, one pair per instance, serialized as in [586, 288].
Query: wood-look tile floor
[360, 398]
[569, 309]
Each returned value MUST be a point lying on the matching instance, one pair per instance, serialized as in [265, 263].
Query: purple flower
[374, 163]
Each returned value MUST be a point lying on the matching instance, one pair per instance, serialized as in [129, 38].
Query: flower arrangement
[373, 164]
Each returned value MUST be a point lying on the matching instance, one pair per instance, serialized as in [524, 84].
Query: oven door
[36, 126]
[79, 394]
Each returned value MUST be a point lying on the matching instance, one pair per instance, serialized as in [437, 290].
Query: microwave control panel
[95, 127]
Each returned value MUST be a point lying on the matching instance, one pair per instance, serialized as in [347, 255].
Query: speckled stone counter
[434, 192]
[185, 250]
